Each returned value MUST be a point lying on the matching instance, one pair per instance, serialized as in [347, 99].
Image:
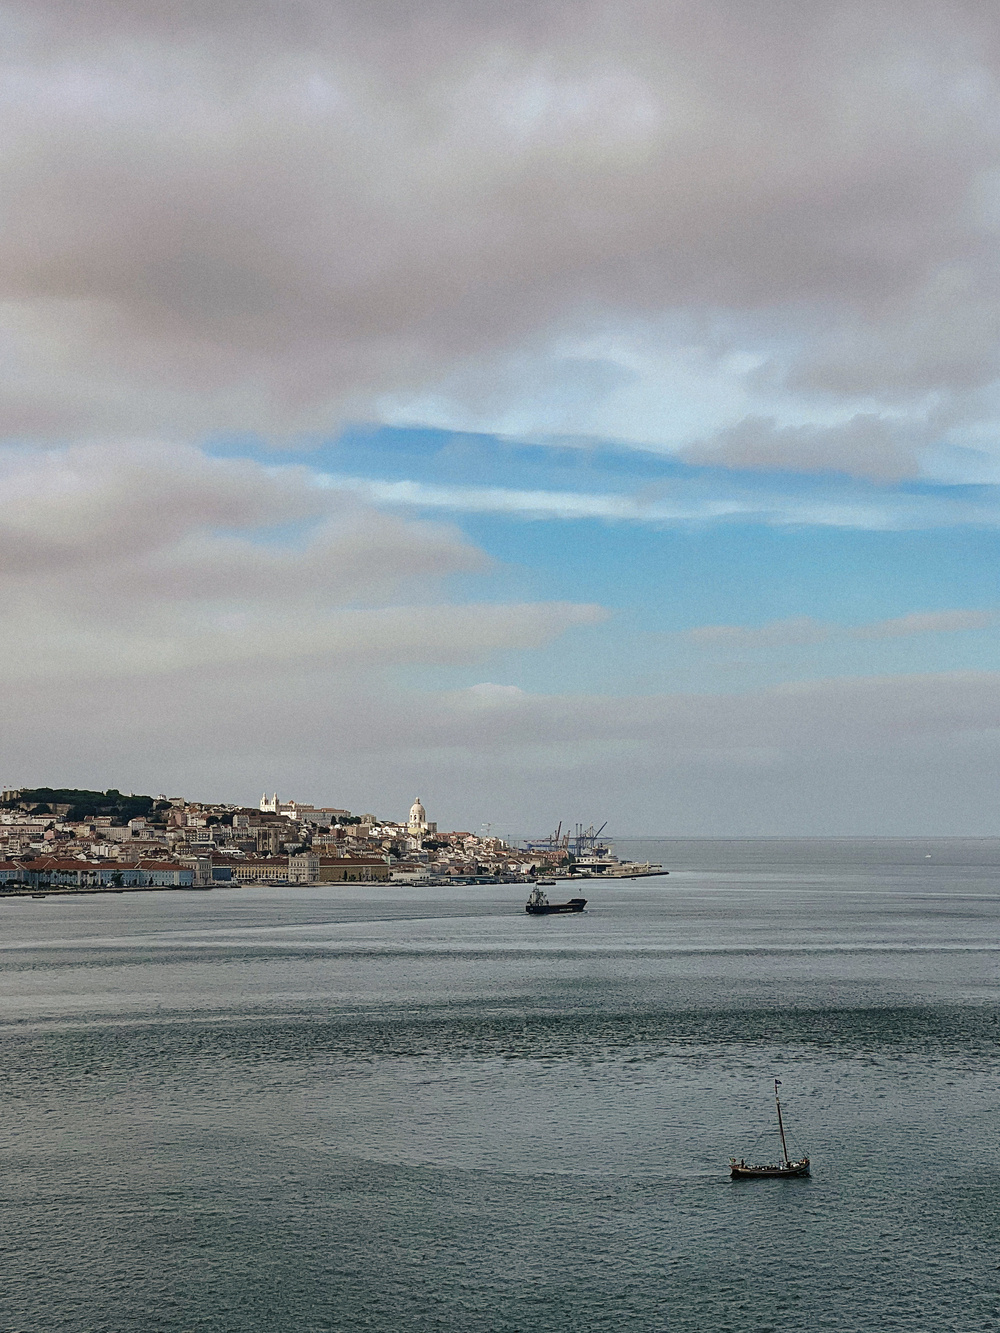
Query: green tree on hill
[82, 804]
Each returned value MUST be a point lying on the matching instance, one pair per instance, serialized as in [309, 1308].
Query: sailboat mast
[781, 1127]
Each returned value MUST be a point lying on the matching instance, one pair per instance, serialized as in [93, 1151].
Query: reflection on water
[363, 1108]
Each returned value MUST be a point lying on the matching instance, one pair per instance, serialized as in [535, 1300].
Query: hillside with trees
[73, 803]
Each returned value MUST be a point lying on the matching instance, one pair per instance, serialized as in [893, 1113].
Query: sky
[560, 410]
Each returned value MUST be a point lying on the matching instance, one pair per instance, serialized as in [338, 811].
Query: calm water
[389, 1109]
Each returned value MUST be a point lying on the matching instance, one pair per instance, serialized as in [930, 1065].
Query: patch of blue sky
[677, 579]
[438, 472]
[578, 522]
[606, 499]
[698, 496]
[810, 599]
[449, 472]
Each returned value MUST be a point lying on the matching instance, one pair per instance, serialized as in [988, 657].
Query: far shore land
[62, 841]
[481, 881]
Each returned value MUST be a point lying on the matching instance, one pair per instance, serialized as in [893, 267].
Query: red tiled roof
[352, 861]
[143, 864]
[55, 863]
[249, 861]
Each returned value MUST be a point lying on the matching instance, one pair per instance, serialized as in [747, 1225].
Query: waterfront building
[303, 868]
[359, 869]
[201, 869]
[56, 872]
[272, 869]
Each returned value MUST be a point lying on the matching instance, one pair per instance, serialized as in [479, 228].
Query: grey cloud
[926, 622]
[777, 633]
[360, 554]
[840, 714]
[902, 754]
[867, 446]
[802, 630]
[98, 503]
[268, 215]
[945, 334]
[140, 562]
[261, 640]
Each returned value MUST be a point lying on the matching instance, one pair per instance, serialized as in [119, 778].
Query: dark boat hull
[770, 1172]
[548, 909]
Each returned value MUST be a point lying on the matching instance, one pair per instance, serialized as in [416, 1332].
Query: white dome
[418, 815]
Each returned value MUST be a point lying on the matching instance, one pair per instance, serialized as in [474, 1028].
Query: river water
[363, 1108]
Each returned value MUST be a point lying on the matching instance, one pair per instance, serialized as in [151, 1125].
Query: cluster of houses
[190, 844]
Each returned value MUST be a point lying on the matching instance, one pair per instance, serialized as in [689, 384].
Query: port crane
[585, 840]
[555, 842]
[582, 841]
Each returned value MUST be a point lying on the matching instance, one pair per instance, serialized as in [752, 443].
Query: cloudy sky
[563, 409]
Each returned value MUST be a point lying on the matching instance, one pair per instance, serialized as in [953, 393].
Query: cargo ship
[539, 905]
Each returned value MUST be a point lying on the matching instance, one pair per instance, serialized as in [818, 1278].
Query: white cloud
[530, 504]
[690, 500]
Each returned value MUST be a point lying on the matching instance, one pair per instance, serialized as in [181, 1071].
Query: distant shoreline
[69, 891]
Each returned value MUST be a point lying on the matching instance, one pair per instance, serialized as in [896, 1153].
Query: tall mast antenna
[781, 1127]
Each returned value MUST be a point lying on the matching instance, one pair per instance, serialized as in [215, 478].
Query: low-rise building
[56, 872]
[201, 868]
[410, 873]
[165, 874]
[360, 869]
[303, 868]
[260, 870]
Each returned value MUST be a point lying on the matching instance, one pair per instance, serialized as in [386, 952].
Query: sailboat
[740, 1170]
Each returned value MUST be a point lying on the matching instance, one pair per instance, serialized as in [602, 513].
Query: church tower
[417, 822]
